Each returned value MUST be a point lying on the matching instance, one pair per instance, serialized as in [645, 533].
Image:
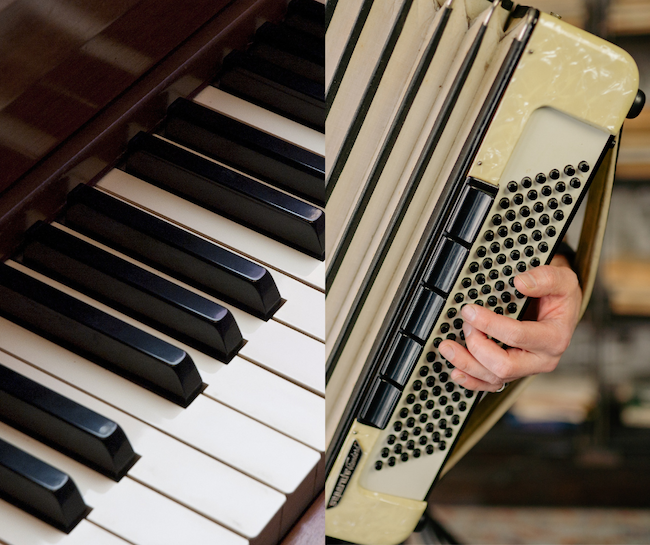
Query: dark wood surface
[310, 529]
[73, 121]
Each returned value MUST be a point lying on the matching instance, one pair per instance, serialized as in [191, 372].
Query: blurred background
[570, 462]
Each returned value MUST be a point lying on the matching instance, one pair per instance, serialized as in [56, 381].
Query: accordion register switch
[547, 116]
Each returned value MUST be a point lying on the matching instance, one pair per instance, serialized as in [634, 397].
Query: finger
[547, 280]
[464, 361]
[531, 336]
[471, 383]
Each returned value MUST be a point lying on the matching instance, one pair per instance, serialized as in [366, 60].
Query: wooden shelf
[628, 17]
[634, 156]
[627, 282]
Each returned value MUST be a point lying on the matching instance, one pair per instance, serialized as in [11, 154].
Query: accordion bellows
[462, 137]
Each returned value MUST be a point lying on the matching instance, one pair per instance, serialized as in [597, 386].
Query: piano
[216, 438]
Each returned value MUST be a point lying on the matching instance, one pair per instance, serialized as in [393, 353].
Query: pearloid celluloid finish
[366, 516]
[587, 84]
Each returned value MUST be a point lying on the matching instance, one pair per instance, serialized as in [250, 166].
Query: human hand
[534, 346]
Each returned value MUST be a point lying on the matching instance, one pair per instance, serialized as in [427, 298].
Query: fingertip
[468, 312]
[446, 350]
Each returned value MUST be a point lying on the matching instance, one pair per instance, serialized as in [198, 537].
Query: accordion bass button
[380, 404]
[444, 268]
[401, 360]
[469, 214]
[423, 313]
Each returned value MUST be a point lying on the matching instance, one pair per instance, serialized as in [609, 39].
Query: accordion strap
[494, 406]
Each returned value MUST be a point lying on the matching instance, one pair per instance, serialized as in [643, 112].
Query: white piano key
[266, 346]
[180, 472]
[268, 252]
[258, 117]
[216, 430]
[145, 518]
[20, 528]
[305, 306]
[128, 509]
[270, 400]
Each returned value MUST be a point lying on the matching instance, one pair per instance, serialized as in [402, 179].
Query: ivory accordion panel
[489, 131]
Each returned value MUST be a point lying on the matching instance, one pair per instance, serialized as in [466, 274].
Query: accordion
[462, 138]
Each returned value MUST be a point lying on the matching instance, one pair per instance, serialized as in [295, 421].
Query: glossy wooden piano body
[80, 79]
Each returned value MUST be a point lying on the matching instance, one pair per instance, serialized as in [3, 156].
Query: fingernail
[447, 352]
[468, 312]
[467, 329]
[528, 280]
[458, 377]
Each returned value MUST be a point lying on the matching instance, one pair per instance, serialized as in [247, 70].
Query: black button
[489, 236]
[540, 178]
[509, 243]
[504, 203]
[512, 186]
[469, 214]
[575, 183]
[532, 195]
[494, 274]
[552, 204]
[516, 227]
[544, 219]
[524, 211]
[526, 182]
[583, 166]
[537, 235]
[566, 199]
[518, 199]
[530, 223]
[546, 190]
[560, 187]
[569, 170]
[401, 360]
[480, 280]
[529, 251]
[510, 215]
[445, 265]
[538, 207]
[554, 174]
[380, 404]
[503, 231]
[423, 313]
[558, 215]
[550, 231]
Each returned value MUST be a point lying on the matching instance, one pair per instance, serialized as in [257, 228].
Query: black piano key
[292, 41]
[308, 16]
[469, 214]
[287, 61]
[99, 337]
[228, 193]
[65, 425]
[137, 292]
[380, 404]
[274, 88]
[445, 266]
[173, 250]
[39, 489]
[423, 313]
[248, 149]
[401, 360]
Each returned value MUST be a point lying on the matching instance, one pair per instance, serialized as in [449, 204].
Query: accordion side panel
[375, 518]
[590, 84]
[338, 34]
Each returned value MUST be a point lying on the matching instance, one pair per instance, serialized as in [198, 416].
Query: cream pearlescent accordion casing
[472, 179]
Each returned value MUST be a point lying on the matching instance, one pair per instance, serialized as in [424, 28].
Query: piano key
[143, 358]
[268, 252]
[39, 488]
[227, 192]
[266, 341]
[180, 253]
[20, 528]
[262, 155]
[293, 41]
[271, 400]
[287, 61]
[135, 291]
[220, 432]
[129, 509]
[65, 425]
[182, 473]
[265, 120]
[274, 88]
[308, 15]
